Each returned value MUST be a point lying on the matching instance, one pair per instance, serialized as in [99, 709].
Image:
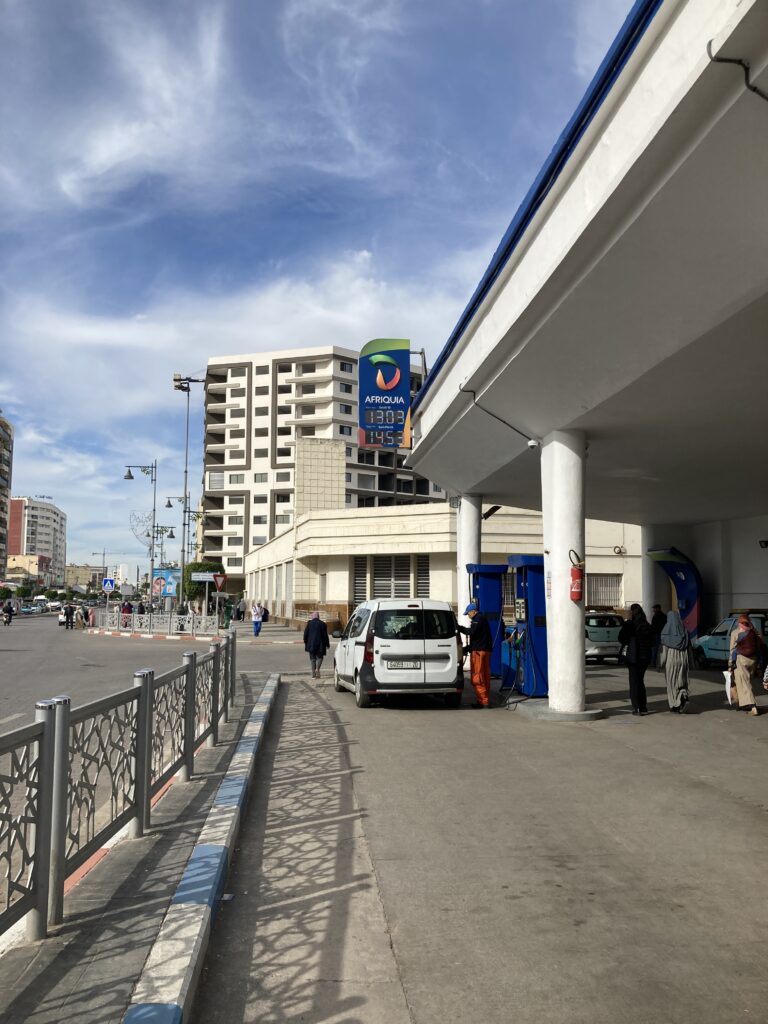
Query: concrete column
[562, 487]
[647, 543]
[468, 546]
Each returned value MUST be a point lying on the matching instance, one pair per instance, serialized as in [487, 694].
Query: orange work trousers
[480, 674]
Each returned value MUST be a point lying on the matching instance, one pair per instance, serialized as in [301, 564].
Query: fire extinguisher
[577, 577]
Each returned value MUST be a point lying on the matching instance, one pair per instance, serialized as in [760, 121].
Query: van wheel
[452, 700]
[336, 681]
[361, 697]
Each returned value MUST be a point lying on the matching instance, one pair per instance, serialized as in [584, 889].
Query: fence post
[186, 770]
[232, 674]
[59, 798]
[37, 919]
[213, 737]
[142, 760]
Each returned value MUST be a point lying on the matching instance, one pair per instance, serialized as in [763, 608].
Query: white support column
[468, 527]
[648, 569]
[562, 485]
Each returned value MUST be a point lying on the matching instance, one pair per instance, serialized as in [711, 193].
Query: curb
[166, 986]
[261, 642]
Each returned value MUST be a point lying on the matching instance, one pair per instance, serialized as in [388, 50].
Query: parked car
[31, 609]
[397, 647]
[601, 635]
[713, 647]
[54, 606]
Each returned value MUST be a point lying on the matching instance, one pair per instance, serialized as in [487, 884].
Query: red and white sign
[219, 578]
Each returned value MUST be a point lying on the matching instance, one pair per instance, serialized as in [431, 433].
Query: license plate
[403, 664]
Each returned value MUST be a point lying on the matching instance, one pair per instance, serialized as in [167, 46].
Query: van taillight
[368, 654]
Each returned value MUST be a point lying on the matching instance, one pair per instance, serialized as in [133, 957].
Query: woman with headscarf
[316, 642]
[674, 656]
[636, 635]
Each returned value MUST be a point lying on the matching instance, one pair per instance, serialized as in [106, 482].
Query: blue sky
[188, 179]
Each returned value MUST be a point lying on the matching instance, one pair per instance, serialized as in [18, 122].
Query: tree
[25, 590]
[51, 594]
[193, 590]
[5, 593]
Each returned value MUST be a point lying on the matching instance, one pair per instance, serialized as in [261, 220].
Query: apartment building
[256, 407]
[83, 575]
[38, 527]
[6, 472]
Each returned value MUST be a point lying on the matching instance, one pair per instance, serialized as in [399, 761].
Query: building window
[260, 410]
[405, 486]
[437, 488]
[215, 481]
[346, 389]
[237, 392]
[366, 481]
[345, 367]
[237, 414]
[347, 478]
[236, 499]
[258, 392]
[348, 452]
[283, 389]
[282, 452]
[235, 520]
[604, 588]
[282, 520]
[308, 367]
[359, 580]
[284, 367]
[283, 431]
[261, 370]
[237, 478]
[307, 431]
[259, 499]
[260, 478]
[260, 432]
[234, 561]
[236, 453]
[237, 371]
[283, 475]
[260, 453]
[308, 410]
[307, 389]
[256, 541]
[282, 498]
[345, 410]
[259, 520]
[283, 410]
[347, 499]
[345, 430]
[234, 542]
[236, 433]
[366, 457]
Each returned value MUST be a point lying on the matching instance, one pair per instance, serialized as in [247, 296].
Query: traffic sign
[219, 578]
[202, 577]
[108, 584]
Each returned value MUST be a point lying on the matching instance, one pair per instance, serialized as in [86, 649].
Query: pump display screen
[385, 417]
[388, 438]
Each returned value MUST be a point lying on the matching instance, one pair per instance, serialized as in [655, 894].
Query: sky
[193, 178]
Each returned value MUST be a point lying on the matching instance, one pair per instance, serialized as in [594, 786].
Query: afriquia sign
[384, 372]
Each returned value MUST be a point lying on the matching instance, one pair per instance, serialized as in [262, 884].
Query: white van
[400, 646]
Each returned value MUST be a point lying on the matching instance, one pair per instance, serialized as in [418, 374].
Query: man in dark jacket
[316, 642]
[480, 647]
[658, 622]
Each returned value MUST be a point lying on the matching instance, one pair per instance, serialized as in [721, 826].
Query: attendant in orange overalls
[480, 647]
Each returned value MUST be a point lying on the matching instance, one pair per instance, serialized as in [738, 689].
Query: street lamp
[181, 383]
[151, 472]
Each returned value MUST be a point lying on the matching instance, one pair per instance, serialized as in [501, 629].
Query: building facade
[30, 569]
[83, 575]
[38, 527]
[6, 473]
[257, 407]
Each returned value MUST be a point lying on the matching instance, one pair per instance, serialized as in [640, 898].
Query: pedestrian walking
[79, 617]
[637, 637]
[228, 613]
[241, 610]
[658, 622]
[745, 644]
[8, 612]
[480, 647]
[257, 616]
[675, 655]
[316, 642]
[69, 615]
[91, 617]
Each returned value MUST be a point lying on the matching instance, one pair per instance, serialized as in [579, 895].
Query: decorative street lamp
[181, 383]
[151, 472]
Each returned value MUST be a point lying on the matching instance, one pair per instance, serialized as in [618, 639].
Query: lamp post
[151, 472]
[181, 383]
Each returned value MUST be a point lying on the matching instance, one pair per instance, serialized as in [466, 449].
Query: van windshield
[413, 624]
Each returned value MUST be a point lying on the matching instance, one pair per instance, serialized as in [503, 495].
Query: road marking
[11, 718]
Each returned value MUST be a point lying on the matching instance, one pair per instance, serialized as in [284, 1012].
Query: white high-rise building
[38, 527]
[256, 407]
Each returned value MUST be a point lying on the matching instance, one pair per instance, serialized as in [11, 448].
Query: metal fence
[158, 622]
[75, 777]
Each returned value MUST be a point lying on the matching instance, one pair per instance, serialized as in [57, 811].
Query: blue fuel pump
[487, 588]
[524, 653]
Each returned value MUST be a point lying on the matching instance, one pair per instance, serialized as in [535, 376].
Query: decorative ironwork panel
[204, 693]
[102, 780]
[168, 725]
[19, 802]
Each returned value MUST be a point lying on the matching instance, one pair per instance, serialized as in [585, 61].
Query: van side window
[358, 622]
[438, 624]
[399, 624]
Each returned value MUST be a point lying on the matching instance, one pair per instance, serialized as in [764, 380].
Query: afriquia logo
[380, 360]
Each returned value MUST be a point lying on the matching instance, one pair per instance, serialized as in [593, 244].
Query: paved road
[39, 658]
[411, 864]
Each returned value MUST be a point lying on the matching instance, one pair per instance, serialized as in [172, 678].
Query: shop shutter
[402, 576]
[422, 576]
[382, 576]
[359, 580]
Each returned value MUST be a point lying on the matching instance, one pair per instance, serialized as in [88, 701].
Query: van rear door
[440, 649]
[398, 647]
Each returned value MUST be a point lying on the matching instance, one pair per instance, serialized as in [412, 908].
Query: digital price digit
[384, 417]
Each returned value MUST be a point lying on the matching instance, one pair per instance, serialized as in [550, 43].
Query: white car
[601, 635]
[400, 646]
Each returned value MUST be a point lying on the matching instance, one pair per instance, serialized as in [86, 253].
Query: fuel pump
[524, 653]
[487, 589]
